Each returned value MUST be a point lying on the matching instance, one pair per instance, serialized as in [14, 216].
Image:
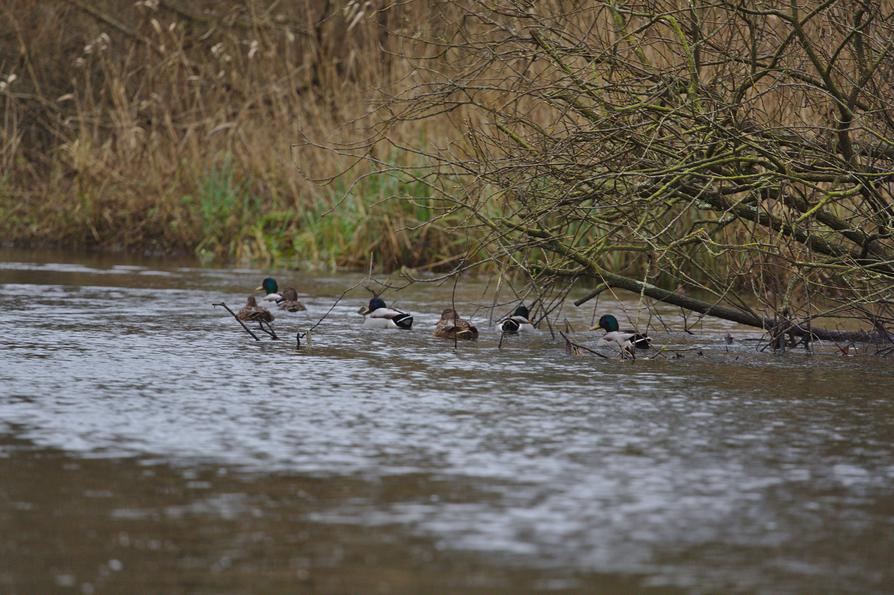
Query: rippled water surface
[147, 444]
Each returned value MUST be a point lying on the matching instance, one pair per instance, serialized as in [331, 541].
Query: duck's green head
[268, 286]
[609, 323]
[522, 311]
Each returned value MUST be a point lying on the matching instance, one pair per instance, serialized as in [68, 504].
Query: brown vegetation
[727, 149]
[166, 125]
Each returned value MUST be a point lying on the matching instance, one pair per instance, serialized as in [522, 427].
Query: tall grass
[167, 126]
[172, 126]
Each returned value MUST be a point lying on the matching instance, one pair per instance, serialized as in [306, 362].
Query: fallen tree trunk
[776, 327]
[740, 316]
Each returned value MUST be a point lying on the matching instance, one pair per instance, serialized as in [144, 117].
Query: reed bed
[168, 127]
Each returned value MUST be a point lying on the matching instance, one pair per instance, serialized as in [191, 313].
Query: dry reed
[170, 126]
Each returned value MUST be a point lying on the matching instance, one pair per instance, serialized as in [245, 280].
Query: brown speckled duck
[290, 301]
[252, 311]
[451, 326]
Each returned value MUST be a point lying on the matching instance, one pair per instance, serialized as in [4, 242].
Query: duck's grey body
[515, 324]
[378, 315]
[624, 339]
[627, 341]
[519, 322]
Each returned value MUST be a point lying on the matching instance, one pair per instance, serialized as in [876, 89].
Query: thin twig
[578, 346]
[268, 328]
[335, 303]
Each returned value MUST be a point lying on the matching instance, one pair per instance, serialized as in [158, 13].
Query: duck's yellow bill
[259, 288]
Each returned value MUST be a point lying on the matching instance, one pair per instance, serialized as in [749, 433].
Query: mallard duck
[287, 299]
[252, 311]
[626, 340]
[519, 321]
[378, 315]
[451, 326]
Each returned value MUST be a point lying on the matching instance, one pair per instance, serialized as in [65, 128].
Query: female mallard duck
[287, 299]
[252, 311]
[451, 326]
[626, 340]
[519, 321]
[378, 315]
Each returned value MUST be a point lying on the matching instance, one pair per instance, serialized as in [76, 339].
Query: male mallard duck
[252, 311]
[378, 315]
[626, 340]
[451, 326]
[287, 299]
[519, 321]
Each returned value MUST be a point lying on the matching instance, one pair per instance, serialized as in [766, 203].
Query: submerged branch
[247, 330]
[736, 315]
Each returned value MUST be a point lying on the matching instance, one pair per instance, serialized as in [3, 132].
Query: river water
[148, 444]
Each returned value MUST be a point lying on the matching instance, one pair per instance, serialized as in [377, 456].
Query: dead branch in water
[267, 328]
[789, 327]
[573, 348]
[247, 330]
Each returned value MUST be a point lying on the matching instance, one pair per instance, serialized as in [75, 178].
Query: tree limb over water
[670, 148]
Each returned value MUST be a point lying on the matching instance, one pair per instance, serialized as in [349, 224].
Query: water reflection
[130, 406]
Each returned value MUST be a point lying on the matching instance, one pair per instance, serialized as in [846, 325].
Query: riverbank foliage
[741, 151]
[171, 126]
[731, 158]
